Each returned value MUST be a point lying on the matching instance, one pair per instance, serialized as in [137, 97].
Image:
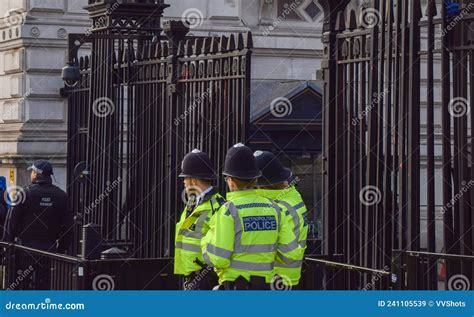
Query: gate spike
[187, 47]
[197, 48]
[418, 11]
[124, 57]
[340, 22]
[352, 23]
[240, 42]
[223, 44]
[141, 52]
[114, 57]
[152, 49]
[214, 45]
[230, 43]
[157, 53]
[165, 49]
[131, 54]
[248, 42]
[182, 48]
[146, 49]
[205, 45]
[149, 51]
[431, 9]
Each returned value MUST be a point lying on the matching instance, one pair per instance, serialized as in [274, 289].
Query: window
[286, 9]
[302, 10]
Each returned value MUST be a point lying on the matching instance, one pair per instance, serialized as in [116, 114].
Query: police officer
[3, 203]
[203, 202]
[274, 184]
[40, 217]
[246, 235]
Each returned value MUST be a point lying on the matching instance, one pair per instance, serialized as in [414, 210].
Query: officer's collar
[206, 194]
[42, 180]
[240, 193]
[277, 194]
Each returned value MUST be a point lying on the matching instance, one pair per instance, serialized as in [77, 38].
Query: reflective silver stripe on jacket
[251, 266]
[197, 233]
[291, 264]
[288, 247]
[298, 206]
[256, 248]
[294, 216]
[218, 251]
[206, 259]
[188, 246]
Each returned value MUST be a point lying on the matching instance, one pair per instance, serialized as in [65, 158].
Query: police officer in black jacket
[40, 217]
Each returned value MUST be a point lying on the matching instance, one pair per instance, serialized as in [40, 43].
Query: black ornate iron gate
[398, 81]
[141, 102]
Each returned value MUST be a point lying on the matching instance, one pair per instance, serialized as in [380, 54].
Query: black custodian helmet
[197, 164]
[240, 163]
[273, 172]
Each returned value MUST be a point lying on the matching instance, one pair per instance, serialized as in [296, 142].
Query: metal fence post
[175, 32]
[332, 11]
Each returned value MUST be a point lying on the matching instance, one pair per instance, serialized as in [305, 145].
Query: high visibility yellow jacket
[294, 213]
[246, 236]
[190, 229]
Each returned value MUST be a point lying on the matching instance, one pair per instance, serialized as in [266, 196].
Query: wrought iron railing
[23, 268]
[394, 85]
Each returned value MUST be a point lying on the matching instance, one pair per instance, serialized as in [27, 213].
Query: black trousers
[256, 283]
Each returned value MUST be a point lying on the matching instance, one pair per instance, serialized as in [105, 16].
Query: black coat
[3, 210]
[40, 219]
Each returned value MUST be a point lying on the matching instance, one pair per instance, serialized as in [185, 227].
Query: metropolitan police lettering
[259, 223]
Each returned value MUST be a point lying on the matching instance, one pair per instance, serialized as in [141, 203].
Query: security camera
[70, 74]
